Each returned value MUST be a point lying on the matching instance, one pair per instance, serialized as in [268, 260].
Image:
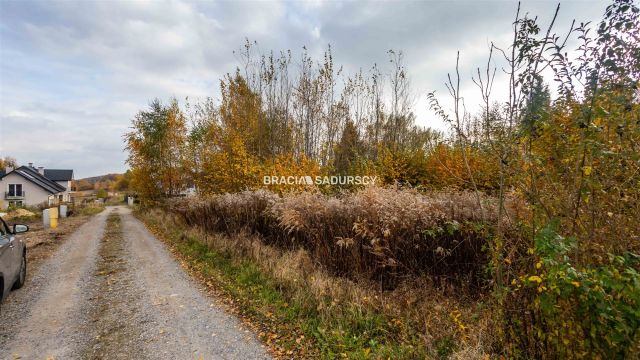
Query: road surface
[113, 291]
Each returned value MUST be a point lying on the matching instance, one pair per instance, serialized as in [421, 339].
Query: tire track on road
[115, 311]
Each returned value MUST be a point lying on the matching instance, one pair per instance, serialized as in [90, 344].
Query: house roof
[35, 177]
[58, 174]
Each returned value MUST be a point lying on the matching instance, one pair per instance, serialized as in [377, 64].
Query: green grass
[348, 331]
[89, 210]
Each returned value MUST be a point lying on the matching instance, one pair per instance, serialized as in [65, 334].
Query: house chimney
[41, 170]
[30, 165]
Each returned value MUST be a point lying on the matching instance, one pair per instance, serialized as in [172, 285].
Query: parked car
[13, 258]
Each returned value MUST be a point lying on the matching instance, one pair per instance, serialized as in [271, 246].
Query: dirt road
[112, 291]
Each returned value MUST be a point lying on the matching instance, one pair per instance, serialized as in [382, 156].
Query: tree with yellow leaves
[237, 144]
[156, 145]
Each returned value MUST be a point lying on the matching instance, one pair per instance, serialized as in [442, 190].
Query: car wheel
[23, 274]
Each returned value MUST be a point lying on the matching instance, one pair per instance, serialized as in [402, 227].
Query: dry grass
[383, 234]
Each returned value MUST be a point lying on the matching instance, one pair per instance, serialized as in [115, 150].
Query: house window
[16, 204]
[15, 189]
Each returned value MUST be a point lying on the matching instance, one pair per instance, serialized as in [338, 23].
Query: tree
[101, 194]
[156, 146]
[82, 184]
[348, 151]
[537, 107]
[121, 182]
[232, 161]
[7, 161]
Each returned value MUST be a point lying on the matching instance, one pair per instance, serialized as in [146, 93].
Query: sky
[74, 74]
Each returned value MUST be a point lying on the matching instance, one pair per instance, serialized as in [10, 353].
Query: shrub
[570, 312]
[230, 213]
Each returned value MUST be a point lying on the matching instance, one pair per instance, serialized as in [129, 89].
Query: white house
[63, 178]
[28, 186]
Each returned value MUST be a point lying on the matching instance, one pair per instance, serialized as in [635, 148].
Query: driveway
[113, 291]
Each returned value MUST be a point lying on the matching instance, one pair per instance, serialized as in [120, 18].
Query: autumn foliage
[375, 233]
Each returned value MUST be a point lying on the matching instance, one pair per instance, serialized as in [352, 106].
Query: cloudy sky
[73, 74]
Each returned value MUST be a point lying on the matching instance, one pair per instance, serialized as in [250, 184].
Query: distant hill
[110, 182]
[95, 179]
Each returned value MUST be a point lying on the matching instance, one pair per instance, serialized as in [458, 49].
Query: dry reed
[381, 234]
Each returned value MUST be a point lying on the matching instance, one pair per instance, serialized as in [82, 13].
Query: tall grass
[381, 234]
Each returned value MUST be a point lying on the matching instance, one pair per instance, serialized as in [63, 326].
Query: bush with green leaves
[586, 312]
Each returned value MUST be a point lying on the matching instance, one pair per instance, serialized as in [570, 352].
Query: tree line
[276, 115]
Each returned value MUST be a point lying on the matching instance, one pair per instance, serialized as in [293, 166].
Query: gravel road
[112, 291]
